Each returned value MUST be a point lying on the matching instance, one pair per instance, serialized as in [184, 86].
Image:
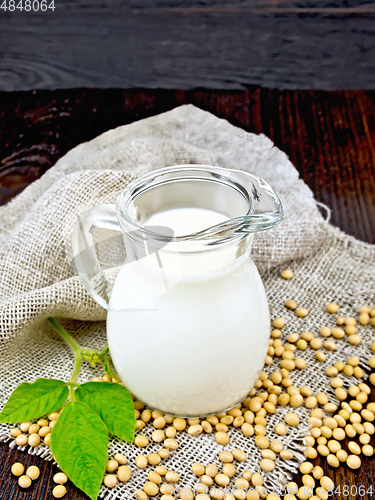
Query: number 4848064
[28, 5]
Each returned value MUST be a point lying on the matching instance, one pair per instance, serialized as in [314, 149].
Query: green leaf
[79, 444]
[113, 403]
[34, 400]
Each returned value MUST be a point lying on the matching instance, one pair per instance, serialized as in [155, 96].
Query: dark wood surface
[330, 138]
[317, 44]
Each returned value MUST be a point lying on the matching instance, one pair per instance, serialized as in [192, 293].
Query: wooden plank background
[330, 138]
[190, 43]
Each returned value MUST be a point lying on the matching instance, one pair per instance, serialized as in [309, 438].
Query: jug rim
[232, 229]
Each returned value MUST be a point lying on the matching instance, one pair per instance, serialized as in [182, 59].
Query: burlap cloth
[37, 279]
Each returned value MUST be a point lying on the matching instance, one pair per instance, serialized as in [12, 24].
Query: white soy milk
[189, 344]
[184, 221]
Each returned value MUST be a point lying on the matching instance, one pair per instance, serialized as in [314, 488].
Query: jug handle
[85, 258]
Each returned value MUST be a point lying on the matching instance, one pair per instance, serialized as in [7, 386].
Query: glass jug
[188, 321]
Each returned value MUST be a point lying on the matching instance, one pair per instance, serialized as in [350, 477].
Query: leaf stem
[90, 355]
[72, 384]
[108, 369]
[76, 348]
[65, 335]
[77, 366]
[71, 393]
[104, 351]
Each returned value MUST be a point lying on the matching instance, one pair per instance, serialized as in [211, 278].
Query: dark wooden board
[190, 43]
[330, 137]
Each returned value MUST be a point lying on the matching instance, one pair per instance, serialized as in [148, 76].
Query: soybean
[141, 441]
[198, 469]
[33, 472]
[287, 274]
[24, 481]
[291, 419]
[278, 323]
[110, 481]
[17, 469]
[229, 470]
[302, 312]
[222, 479]
[353, 461]
[267, 464]
[124, 473]
[221, 437]
[291, 304]
[141, 462]
[195, 430]
[151, 489]
[59, 491]
[172, 477]
[332, 308]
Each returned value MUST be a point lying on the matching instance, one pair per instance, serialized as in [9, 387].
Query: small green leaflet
[79, 444]
[113, 403]
[30, 401]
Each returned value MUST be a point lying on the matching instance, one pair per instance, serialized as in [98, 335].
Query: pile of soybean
[352, 418]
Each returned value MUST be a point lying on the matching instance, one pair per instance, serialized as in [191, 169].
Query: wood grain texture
[190, 44]
[329, 136]
[40, 489]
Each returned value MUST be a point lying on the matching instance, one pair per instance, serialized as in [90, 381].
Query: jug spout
[265, 210]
